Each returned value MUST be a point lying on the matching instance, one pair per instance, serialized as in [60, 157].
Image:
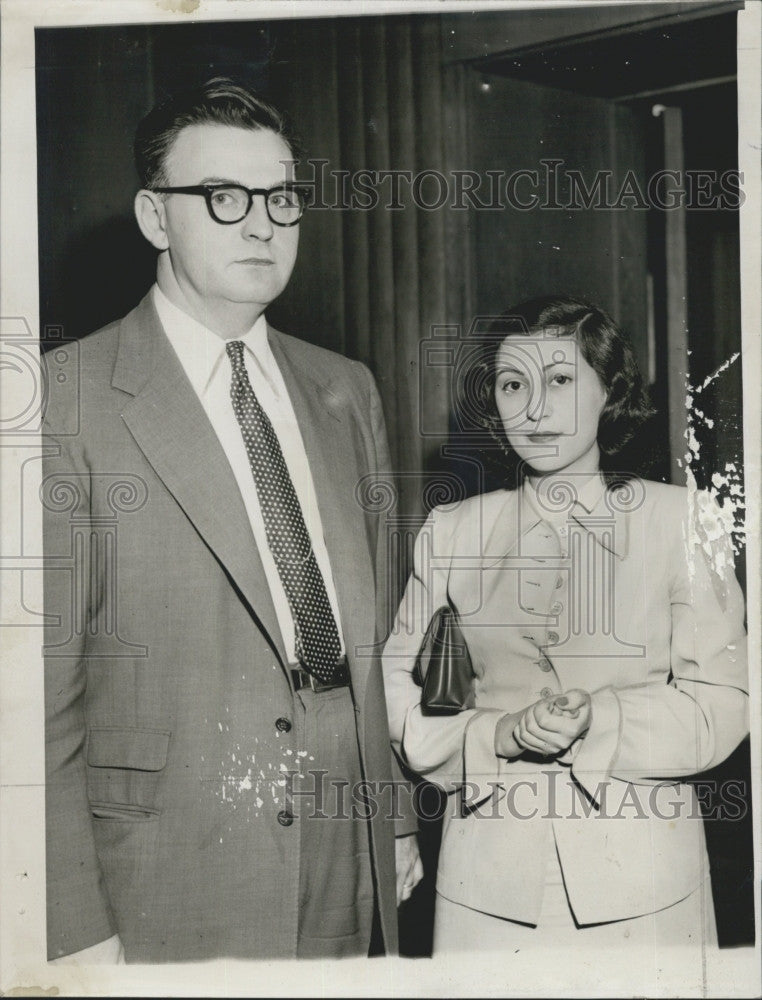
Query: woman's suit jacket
[645, 614]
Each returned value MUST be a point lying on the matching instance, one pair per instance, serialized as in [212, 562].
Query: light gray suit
[168, 699]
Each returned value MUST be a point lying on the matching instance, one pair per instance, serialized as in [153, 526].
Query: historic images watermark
[546, 793]
[552, 185]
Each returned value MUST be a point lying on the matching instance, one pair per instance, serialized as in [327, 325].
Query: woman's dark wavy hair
[603, 346]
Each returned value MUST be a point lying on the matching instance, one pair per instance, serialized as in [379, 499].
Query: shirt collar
[553, 505]
[200, 350]
[590, 508]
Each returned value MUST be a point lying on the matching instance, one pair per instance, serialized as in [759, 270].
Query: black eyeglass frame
[208, 190]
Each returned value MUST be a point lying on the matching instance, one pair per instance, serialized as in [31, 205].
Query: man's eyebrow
[234, 183]
[221, 180]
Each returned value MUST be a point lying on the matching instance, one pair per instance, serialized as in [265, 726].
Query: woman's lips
[544, 437]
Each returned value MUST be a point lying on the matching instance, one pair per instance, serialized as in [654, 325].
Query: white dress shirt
[205, 361]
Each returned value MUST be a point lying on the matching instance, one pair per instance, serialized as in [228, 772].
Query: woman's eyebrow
[506, 369]
[552, 364]
[503, 369]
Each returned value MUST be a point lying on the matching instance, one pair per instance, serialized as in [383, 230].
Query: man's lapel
[330, 445]
[170, 427]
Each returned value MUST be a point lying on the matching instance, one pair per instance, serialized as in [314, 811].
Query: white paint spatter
[715, 374]
[715, 515]
[711, 526]
[243, 785]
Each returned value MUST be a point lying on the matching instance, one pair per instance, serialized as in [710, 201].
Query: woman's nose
[539, 407]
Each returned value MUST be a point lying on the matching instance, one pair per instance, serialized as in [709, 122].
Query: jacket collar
[320, 403]
[594, 507]
[590, 504]
[169, 425]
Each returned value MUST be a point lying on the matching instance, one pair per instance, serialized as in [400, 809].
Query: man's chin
[255, 293]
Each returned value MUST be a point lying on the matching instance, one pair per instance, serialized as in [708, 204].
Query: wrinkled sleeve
[78, 910]
[109, 952]
[448, 750]
[698, 714]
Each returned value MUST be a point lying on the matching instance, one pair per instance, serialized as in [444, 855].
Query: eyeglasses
[230, 203]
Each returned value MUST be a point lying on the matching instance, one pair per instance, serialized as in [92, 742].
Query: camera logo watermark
[545, 570]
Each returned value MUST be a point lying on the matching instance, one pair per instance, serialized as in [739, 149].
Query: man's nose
[257, 223]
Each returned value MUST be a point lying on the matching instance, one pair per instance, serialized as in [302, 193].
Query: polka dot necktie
[317, 638]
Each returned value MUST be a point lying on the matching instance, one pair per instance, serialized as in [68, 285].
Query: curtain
[373, 283]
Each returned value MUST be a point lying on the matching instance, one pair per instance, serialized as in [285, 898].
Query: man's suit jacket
[168, 701]
[646, 615]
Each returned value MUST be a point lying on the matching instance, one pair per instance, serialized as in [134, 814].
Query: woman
[605, 628]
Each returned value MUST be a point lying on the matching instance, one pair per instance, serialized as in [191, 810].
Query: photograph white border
[23, 969]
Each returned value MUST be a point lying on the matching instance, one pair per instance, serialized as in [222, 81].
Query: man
[217, 744]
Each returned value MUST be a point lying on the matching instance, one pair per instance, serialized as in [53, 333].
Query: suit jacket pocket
[124, 771]
[126, 813]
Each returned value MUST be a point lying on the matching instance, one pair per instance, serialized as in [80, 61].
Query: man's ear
[152, 218]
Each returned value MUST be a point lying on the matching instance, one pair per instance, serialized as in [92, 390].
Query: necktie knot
[234, 350]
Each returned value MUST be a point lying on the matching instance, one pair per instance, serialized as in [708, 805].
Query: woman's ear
[151, 215]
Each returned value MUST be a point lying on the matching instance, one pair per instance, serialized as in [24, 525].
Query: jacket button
[546, 693]
[552, 637]
[283, 725]
[545, 665]
[556, 608]
[285, 818]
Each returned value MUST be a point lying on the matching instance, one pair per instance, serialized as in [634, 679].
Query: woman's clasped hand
[547, 727]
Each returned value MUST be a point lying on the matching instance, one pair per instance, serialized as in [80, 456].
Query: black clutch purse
[443, 666]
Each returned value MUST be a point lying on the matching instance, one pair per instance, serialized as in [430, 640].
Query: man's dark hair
[603, 346]
[220, 101]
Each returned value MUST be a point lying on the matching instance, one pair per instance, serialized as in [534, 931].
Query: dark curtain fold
[379, 100]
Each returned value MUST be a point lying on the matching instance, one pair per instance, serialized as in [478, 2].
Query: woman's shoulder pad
[665, 495]
[669, 503]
